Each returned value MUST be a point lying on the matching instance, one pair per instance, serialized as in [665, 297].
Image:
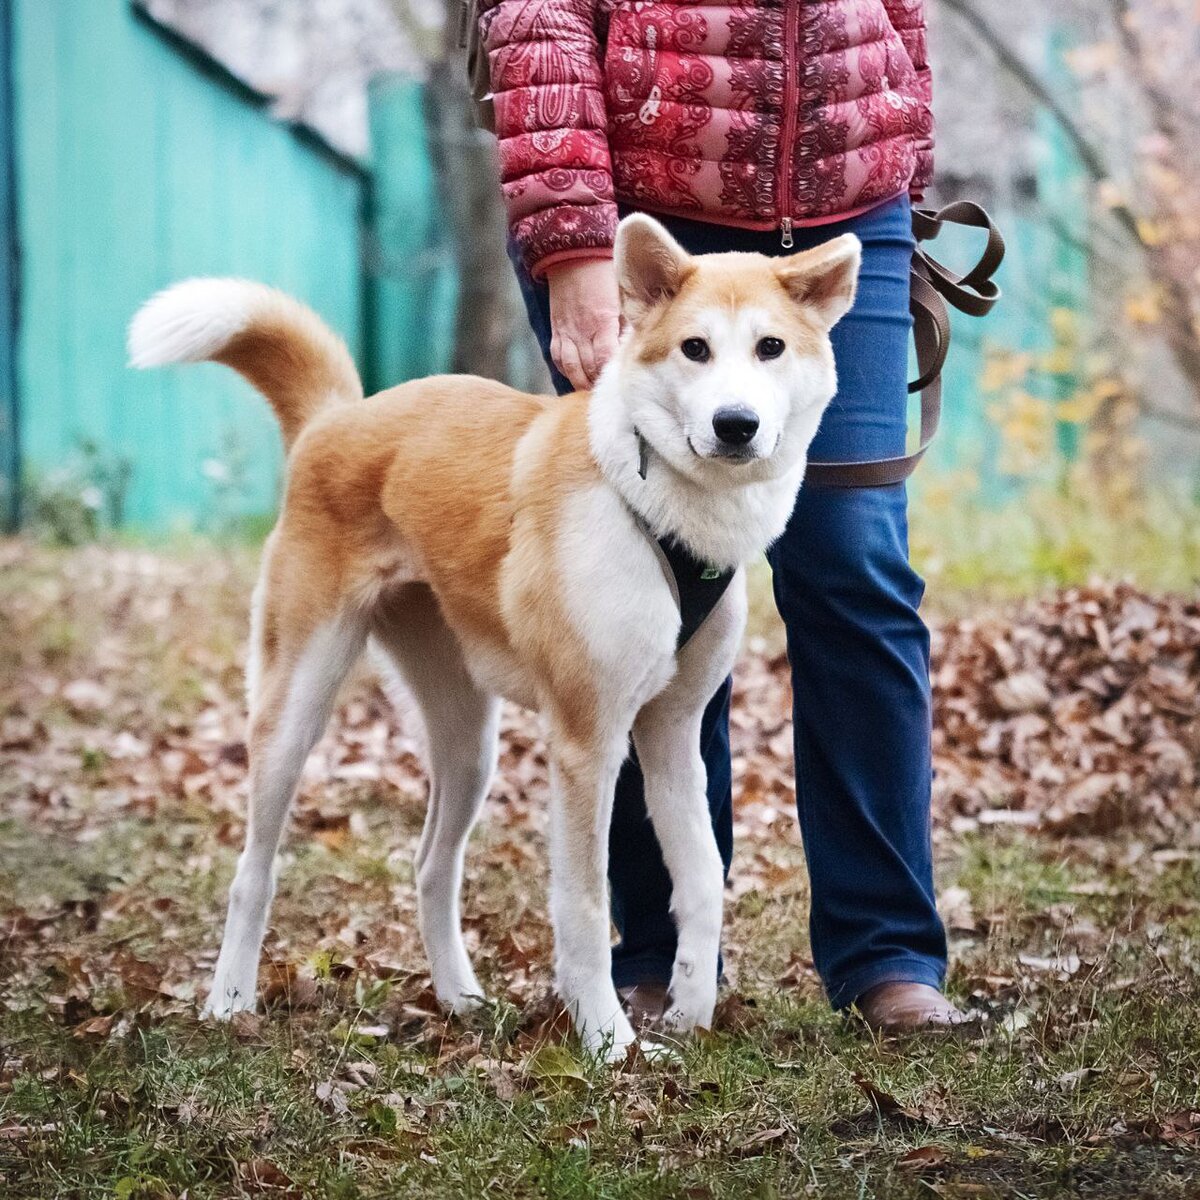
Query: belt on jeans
[933, 286]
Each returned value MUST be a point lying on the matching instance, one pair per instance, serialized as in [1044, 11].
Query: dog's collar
[696, 585]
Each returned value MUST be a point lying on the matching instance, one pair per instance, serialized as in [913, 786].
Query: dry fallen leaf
[1024, 691]
[246, 1026]
[332, 1093]
[96, 1027]
[87, 696]
[22, 1133]
[1070, 1080]
[261, 1176]
[555, 1063]
[882, 1102]
[954, 905]
[1180, 1127]
[761, 1142]
[922, 1159]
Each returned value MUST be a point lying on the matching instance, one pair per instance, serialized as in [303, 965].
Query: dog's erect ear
[651, 265]
[824, 279]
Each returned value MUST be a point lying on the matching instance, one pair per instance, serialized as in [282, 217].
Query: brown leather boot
[644, 1003]
[897, 1009]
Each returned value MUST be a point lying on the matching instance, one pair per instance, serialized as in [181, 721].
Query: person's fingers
[587, 359]
[604, 346]
[568, 363]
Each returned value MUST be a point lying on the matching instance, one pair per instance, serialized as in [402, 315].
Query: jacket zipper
[791, 56]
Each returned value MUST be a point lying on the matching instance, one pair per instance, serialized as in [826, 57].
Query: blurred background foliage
[326, 146]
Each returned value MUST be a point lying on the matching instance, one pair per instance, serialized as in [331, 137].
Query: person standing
[769, 127]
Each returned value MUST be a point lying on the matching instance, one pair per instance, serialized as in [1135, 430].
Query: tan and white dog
[491, 543]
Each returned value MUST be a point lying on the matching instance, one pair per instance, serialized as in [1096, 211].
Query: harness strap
[933, 285]
[696, 586]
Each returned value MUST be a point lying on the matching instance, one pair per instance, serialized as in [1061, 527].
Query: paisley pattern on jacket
[750, 113]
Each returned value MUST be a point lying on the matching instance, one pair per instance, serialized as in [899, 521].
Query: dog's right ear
[651, 265]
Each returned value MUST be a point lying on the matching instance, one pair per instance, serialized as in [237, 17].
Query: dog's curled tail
[283, 348]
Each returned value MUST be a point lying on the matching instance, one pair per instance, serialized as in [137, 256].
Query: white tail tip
[192, 321]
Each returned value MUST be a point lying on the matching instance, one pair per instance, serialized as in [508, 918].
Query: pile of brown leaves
[1079, 712]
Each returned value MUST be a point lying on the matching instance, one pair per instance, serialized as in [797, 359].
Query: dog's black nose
[735, 426]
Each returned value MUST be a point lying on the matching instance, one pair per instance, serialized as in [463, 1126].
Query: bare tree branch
[489, 316]
[426, 40]
[1167, 416]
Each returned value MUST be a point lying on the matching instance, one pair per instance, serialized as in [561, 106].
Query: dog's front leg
[583, 775]
[668, 746]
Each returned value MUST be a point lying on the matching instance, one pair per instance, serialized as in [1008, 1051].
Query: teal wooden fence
[10, 461]
[137, 166]
[412, 289]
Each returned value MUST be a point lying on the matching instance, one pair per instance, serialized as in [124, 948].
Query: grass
[1081, 954]
[1068, 1095]
[974, 554]
[1050, 537]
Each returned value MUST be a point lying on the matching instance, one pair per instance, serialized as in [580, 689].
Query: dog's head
[725, 361]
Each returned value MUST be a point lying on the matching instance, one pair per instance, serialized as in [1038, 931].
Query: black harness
[696, 585]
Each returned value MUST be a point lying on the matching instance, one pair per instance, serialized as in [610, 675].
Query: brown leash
[933, 286]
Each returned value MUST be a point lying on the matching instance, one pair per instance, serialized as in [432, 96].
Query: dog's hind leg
[300, 654]
[461, 723]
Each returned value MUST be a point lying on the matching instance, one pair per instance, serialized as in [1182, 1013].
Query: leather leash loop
[932, 286]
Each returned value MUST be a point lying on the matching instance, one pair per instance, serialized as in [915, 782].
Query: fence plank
[135, 169]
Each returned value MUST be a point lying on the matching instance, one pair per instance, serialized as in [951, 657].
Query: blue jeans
[859, 655]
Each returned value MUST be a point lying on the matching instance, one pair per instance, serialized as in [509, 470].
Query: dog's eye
[696, 349]
[769, 347]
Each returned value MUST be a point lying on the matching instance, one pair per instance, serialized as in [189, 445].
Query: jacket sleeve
[908, 19]
[547, 79]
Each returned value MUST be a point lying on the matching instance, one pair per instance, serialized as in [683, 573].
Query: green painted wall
[412, 283]
[134, 170]
[9, 448]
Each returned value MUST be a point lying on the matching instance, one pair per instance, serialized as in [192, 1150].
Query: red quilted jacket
[763, 113]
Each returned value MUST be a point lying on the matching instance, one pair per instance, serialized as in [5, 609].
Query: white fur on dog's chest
[615, 591]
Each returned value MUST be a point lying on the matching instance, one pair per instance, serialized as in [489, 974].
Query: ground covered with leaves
[1068, 835]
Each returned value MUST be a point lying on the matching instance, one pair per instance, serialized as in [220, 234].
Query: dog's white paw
[616, 1049]
[659, 1052]
[463, 1004]
[225, 1000]
[689, 1010]
[609, 1043]
[460, 993]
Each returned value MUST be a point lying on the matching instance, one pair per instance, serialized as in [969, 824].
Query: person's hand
[584, 318]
